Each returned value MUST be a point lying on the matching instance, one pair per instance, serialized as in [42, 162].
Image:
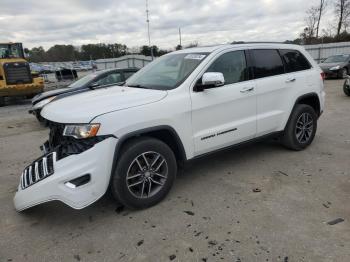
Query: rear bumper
[331, 74]
[96, 161]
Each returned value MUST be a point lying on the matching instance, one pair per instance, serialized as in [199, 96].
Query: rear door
[272, 85]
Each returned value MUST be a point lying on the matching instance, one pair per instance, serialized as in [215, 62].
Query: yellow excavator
[16, 78]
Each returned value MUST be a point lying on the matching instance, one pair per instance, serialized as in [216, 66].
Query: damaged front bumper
[77, 180]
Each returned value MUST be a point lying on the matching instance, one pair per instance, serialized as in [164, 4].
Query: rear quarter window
[294, 60]
[267, 62]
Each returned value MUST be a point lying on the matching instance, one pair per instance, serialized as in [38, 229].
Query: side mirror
[94, 85]
[210, 80]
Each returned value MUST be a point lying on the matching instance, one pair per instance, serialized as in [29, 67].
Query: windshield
[10, 51]
[166, 72]
[83, 81]
[336, 59]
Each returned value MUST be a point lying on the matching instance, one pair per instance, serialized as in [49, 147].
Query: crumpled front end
[73, 171]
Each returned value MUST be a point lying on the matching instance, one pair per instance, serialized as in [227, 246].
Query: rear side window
[232, 65]
[294, 60]
[267, 62]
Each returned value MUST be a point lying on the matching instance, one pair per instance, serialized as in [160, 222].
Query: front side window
[267, 62]
[110, 79]
[166, 72]
[82, 81]
[232, 65]
[128, 74]
[294, 60]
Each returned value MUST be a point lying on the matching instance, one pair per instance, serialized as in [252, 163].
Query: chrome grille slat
[25, 178]
[30, 175]
[38, 170]
[45, 166]
[22, 177]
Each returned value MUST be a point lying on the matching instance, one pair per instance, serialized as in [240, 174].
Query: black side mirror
[94, 85]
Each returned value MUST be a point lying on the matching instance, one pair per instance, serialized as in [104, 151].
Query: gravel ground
[211, 214]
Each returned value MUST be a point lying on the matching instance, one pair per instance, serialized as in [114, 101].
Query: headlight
[81, 131]
[334, 68]
[44, 102]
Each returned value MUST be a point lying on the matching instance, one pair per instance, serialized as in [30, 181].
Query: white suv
[183, 105]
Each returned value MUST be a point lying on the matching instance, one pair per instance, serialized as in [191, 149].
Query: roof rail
[261, 42]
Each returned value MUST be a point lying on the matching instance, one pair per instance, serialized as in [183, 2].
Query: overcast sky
[44, 22]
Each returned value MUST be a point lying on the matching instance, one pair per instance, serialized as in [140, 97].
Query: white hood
[82, 108]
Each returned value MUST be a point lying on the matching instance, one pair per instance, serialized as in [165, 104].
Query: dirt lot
[212, 213]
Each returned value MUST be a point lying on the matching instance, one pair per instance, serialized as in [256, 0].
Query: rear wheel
[343, 73]
[144, 173]
[301, 128]
[346, 87]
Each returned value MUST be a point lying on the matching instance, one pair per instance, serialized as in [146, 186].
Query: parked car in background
[336, 66]
[92, 81]
[346, 86]
[181, 106]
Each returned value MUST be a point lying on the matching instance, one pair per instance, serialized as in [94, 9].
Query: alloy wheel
[147, 174]
[304, 128]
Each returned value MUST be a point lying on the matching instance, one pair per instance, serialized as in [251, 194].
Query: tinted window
[110, 79]
[232, 65]
[128, 74]
[294, 60]
[267, 63]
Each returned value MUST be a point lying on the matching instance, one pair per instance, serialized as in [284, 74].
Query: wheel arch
[166, 134]
[310, 99]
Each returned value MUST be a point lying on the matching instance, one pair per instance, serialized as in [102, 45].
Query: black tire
[293, 136]
[346, 87]
[343, 73]
[2, 101]
[130, 152]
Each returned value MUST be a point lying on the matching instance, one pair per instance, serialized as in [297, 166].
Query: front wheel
[346, 87]
[144, 174]
[301, 128]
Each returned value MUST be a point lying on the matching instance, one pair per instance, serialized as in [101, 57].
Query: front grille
[17, 73]
[38, 170]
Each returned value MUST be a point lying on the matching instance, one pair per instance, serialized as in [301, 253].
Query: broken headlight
[81, 131]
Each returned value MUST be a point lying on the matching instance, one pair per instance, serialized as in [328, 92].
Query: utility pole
[180, 37]
[149, 35]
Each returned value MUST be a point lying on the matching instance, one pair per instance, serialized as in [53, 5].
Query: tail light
[323, 76]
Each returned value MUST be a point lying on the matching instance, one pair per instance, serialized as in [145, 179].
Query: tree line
[62, 53]
[335, 29]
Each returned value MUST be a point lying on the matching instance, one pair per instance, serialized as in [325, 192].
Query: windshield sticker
[195, 56]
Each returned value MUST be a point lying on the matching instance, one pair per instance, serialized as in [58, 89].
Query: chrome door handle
[247, 89]
[289, 80]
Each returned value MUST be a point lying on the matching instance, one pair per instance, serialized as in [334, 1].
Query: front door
[225, 115]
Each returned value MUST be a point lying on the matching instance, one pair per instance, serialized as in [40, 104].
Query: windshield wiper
[138, 86]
